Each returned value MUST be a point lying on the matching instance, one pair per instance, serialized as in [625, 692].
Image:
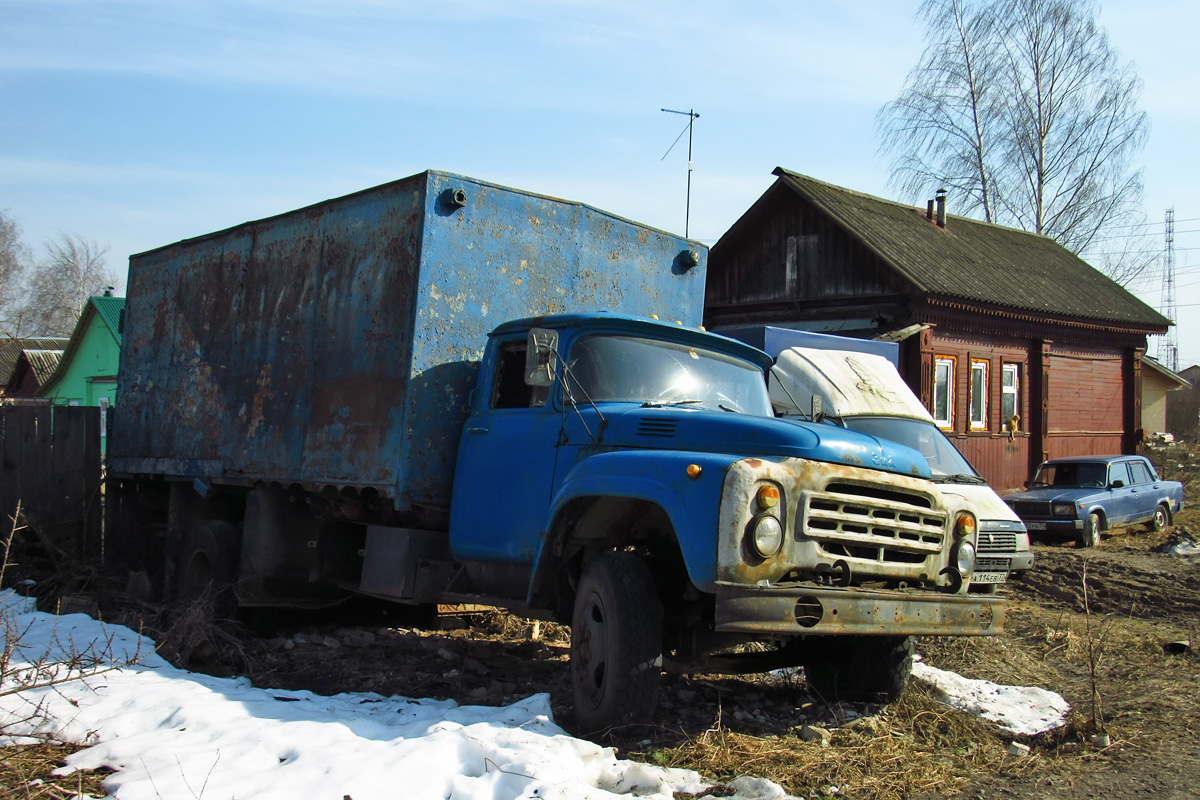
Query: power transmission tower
[1168, 346]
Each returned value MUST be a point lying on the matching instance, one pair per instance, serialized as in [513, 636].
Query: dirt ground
[1124, 653]
[1137, 626]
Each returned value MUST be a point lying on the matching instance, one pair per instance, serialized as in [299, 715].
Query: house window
[943, 391]
[1010, 394]
[979, 392]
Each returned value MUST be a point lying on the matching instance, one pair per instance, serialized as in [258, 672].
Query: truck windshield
[945, 461]
[606, 368]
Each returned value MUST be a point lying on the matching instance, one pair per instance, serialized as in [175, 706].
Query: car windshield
[1071, 473]
[607, 368]
[945, 461]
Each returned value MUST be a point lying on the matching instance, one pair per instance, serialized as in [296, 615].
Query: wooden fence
[51, 466]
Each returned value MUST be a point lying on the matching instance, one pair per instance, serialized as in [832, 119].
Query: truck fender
[690, 504]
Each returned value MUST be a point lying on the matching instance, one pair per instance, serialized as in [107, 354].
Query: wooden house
[10, 354]
[87, 373]
[31, 371]
[1020, 349]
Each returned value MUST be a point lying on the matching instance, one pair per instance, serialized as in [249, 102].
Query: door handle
[477, 430]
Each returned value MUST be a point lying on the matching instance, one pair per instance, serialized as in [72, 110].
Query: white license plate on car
[1036, 526]
[989, 577]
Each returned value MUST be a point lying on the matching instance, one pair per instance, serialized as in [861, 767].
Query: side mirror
[540, 352]
[1117, 484]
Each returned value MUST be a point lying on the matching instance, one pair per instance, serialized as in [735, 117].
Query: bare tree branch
[72, 270]
[1022, 109]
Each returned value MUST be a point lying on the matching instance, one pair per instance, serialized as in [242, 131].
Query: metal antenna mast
[692, 117]
[1168, 346]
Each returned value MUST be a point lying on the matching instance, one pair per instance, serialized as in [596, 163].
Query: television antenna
[692, 117]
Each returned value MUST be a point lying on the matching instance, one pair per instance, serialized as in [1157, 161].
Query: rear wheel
[1090, 537]
[208, 566]
[862, 669]
[1161, 518]
[616, 644]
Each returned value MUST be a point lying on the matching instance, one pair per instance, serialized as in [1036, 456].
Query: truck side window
[509, 389]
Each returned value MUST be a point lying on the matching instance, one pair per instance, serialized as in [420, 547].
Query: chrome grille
[995, 542]
[863, 522]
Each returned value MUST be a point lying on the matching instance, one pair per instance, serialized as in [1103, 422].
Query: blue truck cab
[440, 390]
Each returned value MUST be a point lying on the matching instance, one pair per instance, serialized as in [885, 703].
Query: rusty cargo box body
[334, 348]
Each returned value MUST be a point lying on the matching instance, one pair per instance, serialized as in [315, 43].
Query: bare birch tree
[72, 270]
[13, 260]
[1024, 111]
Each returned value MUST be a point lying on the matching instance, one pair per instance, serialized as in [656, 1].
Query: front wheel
[1161, 518]
[862, 669]
[616, 644]
[1090, 536]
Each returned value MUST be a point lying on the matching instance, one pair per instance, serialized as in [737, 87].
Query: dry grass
[913, 746]
[27, 772]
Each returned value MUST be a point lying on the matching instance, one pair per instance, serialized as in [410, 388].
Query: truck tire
[616, 644]
[1161, 519]
[208, 566]
[865, 669]
[1090, 536]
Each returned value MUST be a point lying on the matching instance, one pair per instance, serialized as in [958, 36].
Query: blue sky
[141, 122]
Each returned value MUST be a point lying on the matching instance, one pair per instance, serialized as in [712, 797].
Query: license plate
[1036, 526]
[989, 577]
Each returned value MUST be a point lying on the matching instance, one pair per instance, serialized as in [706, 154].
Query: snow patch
[1017, 710]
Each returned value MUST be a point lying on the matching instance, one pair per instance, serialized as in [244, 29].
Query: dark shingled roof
[976, 261]
[10, 351]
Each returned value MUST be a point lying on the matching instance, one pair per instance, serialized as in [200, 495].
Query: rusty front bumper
[817, 610]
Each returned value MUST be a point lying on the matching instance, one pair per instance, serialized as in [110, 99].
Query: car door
[1144, 497]
[1119, 508]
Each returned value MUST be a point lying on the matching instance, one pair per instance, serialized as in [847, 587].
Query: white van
[855, 383]
[864, 392]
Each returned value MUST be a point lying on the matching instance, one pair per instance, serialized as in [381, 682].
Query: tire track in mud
[1136, 584]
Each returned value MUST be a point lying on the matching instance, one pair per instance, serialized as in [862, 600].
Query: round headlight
[964, 558]
[768, 536]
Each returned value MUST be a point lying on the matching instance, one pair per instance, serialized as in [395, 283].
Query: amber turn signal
[964, 524]
[694, 470]
[768, 496]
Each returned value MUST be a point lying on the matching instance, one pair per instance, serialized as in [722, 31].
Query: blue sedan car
[1085, 495]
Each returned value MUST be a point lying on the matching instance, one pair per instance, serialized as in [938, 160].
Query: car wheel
[1091, 531]
[1161, 518]
[616, 644]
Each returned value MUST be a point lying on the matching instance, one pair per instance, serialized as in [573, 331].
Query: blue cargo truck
[441, 390]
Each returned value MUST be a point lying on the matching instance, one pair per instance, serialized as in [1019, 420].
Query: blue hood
[1058, 494]
[702, 430]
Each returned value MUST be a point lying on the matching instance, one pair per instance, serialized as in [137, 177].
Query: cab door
[505, 470]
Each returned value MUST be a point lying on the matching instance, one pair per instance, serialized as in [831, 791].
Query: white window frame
[978, 396]
[946, 390]
[1010, 388]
